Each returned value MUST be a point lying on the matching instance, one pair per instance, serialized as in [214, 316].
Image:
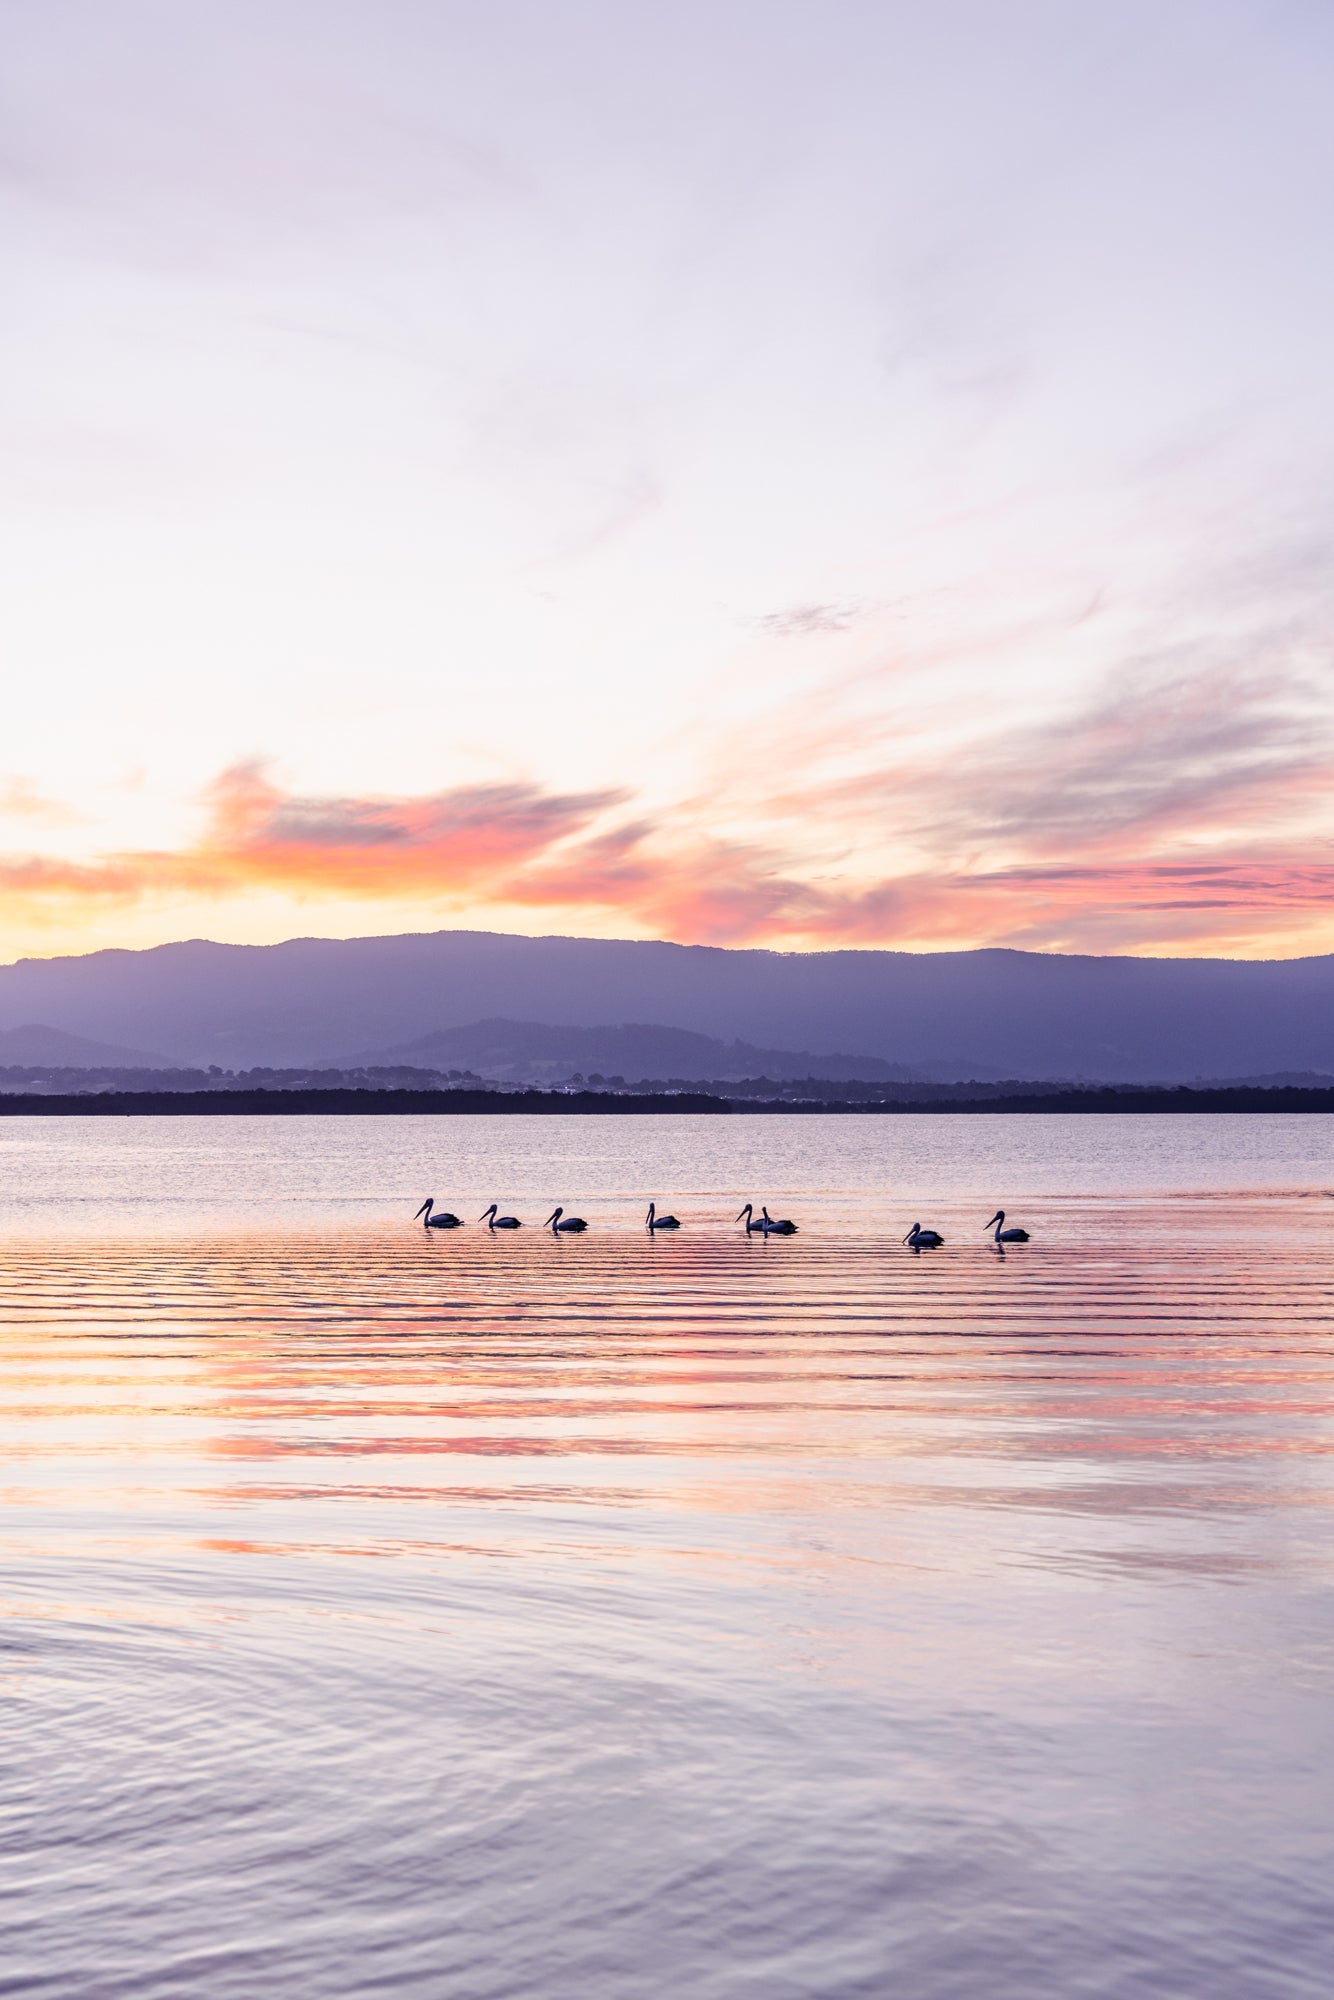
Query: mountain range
[540, 1052]
[980, 1013]
[32, 1045]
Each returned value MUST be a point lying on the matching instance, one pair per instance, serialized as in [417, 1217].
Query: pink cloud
[1125, 881]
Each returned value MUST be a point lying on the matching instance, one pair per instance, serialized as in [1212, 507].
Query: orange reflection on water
[806, 1373]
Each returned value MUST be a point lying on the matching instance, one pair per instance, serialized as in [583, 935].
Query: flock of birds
[762, 1224]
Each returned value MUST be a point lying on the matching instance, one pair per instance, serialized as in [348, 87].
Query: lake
[463, 1616]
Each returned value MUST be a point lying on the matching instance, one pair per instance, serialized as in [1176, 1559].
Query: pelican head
[553, 1218]
[488, 1215]
[912, 1232]
[747, 1211]
[425, 1208]
[996, 1220]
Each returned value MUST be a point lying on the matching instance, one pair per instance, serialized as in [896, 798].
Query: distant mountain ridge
[536, 1051]
[1012, 1013]
[33, 1044]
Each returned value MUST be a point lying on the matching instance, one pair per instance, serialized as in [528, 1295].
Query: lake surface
[463, 1617]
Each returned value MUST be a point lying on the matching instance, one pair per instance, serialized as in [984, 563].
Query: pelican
[752, 1226]
[656, 1221]
[442, 1220]
[494, 1221]
[571, 1222]
[772, 1228]
[923, 1239]
[1006, 1235]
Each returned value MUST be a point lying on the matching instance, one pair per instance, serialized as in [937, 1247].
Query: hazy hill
[536, 1051]
[1020, 1014]
[33, 1044]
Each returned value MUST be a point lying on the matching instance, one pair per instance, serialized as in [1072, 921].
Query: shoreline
[604, 1104]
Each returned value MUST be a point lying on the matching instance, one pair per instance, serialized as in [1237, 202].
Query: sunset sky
[737, 471]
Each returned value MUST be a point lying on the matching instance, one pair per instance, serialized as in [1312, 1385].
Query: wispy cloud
[803, 621]
[1180, 803]
[21, 799]
[579, 857]
[445, 843]
[440, 847]
[1163, 744]
[1158, 749]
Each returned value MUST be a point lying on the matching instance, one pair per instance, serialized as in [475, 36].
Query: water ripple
[480, 1617]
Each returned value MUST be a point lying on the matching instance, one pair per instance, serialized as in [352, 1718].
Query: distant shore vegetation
[217, 1092]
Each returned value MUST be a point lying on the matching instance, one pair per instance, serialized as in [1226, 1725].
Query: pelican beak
[425, 1205]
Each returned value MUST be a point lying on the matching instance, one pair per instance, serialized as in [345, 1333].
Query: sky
[741, 471]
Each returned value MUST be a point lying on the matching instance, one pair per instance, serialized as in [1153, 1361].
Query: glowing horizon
[765, 476]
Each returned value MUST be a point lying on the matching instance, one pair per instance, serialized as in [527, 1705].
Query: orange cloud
[1257, 906]
[577, 857]
[444, 845]
[20, 799]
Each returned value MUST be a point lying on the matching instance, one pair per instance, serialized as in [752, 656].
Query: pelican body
[655, 1221]
[442, 1219]
[923, 1239]
[559, 1221]
[764, 1224]
[494, 1221]
[1004, 1235]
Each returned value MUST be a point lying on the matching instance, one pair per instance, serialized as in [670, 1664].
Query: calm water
[469, 1617]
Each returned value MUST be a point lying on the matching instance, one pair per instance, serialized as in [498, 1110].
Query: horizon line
[675, 944]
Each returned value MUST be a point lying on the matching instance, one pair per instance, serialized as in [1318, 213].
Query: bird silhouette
[442, 1219]
[1006, 1235]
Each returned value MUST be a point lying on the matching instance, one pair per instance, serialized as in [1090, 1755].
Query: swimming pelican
[923, 1239]
[772, 1228]
[572, 1222]
[1006, 1235]
[753, 1226]
[656, 1221]
[494, 1221]
[442, 1220]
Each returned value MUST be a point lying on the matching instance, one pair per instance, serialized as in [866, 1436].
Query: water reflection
[489, 1616]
